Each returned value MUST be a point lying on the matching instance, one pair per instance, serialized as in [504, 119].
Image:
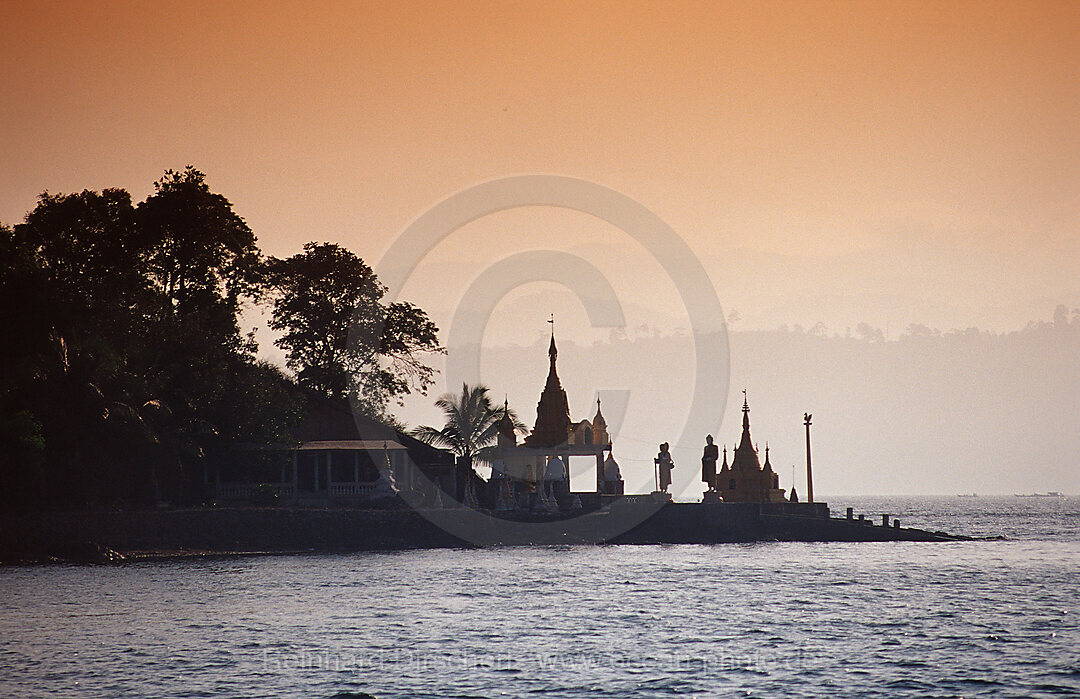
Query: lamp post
[809, 473]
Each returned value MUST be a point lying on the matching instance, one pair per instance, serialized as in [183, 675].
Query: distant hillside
[928, 412]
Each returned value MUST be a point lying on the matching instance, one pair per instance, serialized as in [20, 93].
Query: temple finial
[552, 350]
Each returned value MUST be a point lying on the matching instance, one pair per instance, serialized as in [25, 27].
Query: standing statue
[664, 464]
[708, 463]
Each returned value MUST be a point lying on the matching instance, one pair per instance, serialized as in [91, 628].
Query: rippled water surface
[983, 618]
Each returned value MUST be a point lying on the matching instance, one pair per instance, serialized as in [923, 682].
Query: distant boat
[967, 495]
[1051, 494]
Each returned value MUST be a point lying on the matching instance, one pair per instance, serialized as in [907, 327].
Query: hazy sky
[888, 162]
[942, 130]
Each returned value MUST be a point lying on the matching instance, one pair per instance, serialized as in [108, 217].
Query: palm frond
[431, 435]
[471, 421]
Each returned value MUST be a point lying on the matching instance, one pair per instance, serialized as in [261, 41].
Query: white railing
[249, 490]
[352, 488]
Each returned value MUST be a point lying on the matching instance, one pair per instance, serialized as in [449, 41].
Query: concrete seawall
[219, 530]
[689, 523]
[90, 535]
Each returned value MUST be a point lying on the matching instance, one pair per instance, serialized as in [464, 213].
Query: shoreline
[194, 533]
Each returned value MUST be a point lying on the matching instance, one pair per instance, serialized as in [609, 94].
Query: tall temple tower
[553, 425]
[554, 440]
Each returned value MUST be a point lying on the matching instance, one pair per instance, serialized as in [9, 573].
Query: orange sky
[945, 131]
[833, 162]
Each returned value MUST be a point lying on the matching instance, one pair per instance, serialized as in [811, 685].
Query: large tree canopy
[87, 245]
[339, 336]
[197, 245]
[127, 366]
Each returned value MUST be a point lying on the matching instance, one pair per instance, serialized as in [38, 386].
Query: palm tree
[472, 423]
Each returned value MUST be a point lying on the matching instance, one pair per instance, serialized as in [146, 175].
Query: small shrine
[746, 479]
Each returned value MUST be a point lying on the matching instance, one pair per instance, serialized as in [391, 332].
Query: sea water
[996, 617]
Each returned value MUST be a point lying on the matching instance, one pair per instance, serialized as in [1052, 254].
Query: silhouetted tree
[78, 316]
[472, 423]
[338, 335]
[129, 364]
[197, 246]
[88, 277]
[22, 439]
[407, 335]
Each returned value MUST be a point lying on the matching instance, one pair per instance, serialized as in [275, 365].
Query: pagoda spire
[506, 425]
[599, 426]
[745, 455]
[553, 355]
[552, 426]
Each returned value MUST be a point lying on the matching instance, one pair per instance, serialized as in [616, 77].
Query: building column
[295, 458]
[329, 472]
[600, 471]
[318, 459]
[356, 467]
[408, 471]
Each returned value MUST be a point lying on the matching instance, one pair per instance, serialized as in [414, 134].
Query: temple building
[746, 479]
[339, 459]
[542, 462]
